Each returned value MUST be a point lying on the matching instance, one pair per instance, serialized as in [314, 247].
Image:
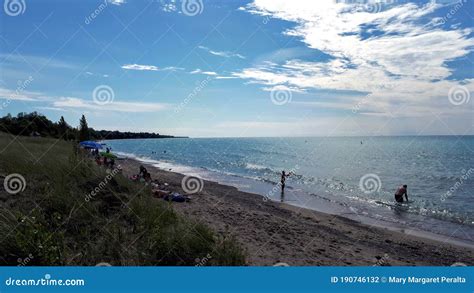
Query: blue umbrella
[90, 144]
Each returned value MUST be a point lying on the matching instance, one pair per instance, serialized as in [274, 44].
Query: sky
[242, 68]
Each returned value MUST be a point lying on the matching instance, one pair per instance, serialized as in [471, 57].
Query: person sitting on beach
[283, 179]
[143, 171]
[402, 190]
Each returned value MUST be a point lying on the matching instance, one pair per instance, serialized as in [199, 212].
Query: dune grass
[58, 220]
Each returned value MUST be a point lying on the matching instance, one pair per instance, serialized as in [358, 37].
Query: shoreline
[273, 232]
[292, 200]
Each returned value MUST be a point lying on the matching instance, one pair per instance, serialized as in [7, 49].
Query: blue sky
[242, 68]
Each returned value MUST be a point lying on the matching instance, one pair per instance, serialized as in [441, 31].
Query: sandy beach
[273, 232]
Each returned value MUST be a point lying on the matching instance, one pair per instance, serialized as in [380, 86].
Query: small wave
[255, 166]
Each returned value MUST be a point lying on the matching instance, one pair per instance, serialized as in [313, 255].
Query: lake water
[351, 176]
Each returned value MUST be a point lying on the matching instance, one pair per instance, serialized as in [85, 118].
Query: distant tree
[33, 123]
[83, 129]
[63, 128]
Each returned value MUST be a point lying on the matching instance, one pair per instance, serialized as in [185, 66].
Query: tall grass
[56, 220]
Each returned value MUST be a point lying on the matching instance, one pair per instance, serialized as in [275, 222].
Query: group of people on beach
[401, 191]
[103, 160]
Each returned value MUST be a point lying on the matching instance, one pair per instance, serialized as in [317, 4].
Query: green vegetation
[57, 220]
[35, 124]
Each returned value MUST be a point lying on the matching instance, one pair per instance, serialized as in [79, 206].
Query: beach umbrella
[108, 155]
[88, 144]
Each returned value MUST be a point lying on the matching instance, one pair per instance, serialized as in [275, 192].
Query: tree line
[36, 124]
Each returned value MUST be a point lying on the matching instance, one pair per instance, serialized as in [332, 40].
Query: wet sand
[273, 232]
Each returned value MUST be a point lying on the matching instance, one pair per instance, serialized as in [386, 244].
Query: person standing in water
[401, 191]
[283, 179]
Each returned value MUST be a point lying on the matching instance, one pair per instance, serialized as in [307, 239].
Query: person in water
[401, 191]
[283, 179]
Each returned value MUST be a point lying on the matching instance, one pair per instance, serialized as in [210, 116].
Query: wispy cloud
[117, 2]
[35, 61]
[19, 95]
[225, 54]
[116, 106]
[140, 67]
[199, 71]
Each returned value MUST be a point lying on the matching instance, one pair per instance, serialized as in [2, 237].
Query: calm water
[328, 174]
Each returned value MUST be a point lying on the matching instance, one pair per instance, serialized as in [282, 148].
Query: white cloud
[117, 2]
[116, 106]
[199, 71]
[19, 95]
[141, 67]
[405, 62]
[225, 54]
